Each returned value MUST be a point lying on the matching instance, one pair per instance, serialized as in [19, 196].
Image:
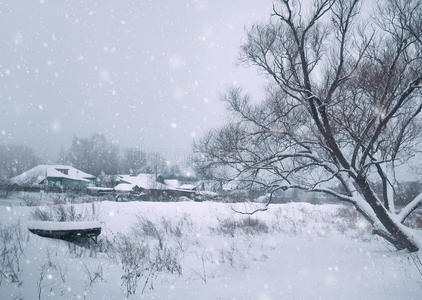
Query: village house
[55, 178]
[152, 185]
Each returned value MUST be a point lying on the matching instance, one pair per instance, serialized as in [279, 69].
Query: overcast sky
[145, 73]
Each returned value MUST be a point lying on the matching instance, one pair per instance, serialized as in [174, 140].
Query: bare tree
[342, 107]
[15, 159]
[134, 161]
[95, 155]
[156, 163]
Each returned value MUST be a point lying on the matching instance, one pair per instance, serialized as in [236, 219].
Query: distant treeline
[15, 159]
[95, 155]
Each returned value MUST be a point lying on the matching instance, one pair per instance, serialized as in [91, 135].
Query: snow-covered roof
[209, 185]
[145, 181]
[231, 185]
[124, 187]
[208, 193]
[99, 188]
[187, 186]
[172, 182]
[36, 175]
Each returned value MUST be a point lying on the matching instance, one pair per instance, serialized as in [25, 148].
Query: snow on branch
[409, 208]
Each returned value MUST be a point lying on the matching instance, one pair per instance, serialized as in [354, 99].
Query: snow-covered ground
[190, 250]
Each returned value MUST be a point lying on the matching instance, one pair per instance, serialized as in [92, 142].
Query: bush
[246, 225]
[134, 258]
[151, 249]
[145, 227]
[184, 224]
[88, 248]
[141, 261]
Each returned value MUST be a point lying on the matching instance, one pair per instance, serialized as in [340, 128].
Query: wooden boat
[68, 231]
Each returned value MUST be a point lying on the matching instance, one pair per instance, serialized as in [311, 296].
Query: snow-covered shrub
[288, 225]
[30, 198]
[232, 255]
[150, 249]
[301, 218]
[64, 213]
[350, 214]
[145, 227]
[178, 228]
[171, 229]
[165, 231]
[49, 270]
[134, 260]
[246, 225]
[88, 248]
[94, 275]
[141, 261]
[349, 220]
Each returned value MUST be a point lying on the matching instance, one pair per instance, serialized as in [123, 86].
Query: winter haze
[145, 73]
[209, 149]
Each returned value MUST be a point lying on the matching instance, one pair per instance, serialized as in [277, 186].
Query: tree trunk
[401, 240]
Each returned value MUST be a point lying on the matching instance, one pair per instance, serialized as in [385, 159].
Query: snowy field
[189, 250]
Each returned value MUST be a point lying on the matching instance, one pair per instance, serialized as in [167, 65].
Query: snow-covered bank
[291, 251]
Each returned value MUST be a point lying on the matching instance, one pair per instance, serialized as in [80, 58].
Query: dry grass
[64, 213]
[247, 225]
[141, 261]
[12, 239]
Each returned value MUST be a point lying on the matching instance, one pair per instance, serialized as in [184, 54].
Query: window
[64, 171]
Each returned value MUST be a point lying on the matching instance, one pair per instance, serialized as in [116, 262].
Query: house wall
[73, 184]
[56, 184]
[92, 181]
